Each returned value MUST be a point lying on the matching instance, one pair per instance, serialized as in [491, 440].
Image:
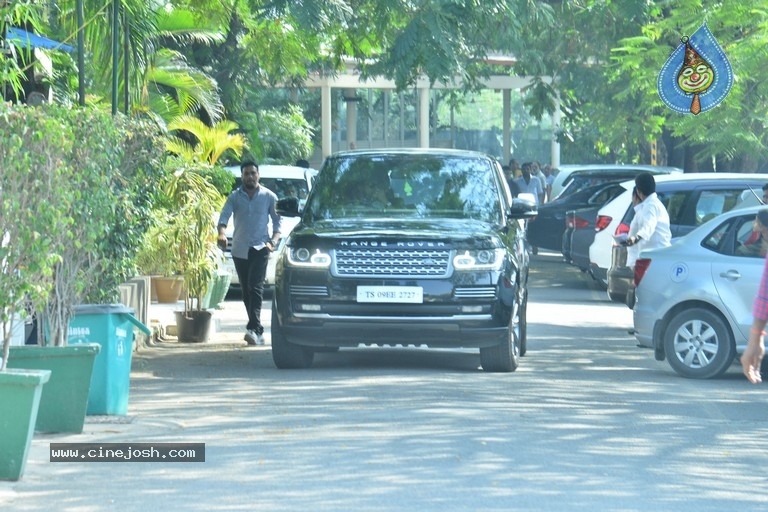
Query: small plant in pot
[196, 203]
[157, 258]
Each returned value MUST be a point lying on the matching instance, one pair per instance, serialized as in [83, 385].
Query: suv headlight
[303, 257]
[484, 259]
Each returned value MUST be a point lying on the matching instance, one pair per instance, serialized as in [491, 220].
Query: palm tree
[211, 142]
[171, 88]
[160, 82]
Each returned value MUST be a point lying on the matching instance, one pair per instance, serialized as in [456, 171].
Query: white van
[283, 180]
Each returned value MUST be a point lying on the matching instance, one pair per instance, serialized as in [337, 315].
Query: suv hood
[450, 230]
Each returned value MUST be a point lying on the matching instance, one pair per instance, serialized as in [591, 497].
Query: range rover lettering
[402, 248]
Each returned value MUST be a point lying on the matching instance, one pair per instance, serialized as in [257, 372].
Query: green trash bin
[111, 326]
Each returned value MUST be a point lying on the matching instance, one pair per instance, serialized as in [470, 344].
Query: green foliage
[157, 253]
[221, 179]
[188, 224]
[212, 59]
[194, 140]
[30, 145]
[14, 63]
[280, 136]
[89, 174]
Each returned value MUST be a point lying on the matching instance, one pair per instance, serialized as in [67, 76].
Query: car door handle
[731, 275]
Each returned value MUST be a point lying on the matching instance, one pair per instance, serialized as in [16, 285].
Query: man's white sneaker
[252, 337]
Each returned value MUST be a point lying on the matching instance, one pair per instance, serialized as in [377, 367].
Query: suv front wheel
[287, 355]
[505, 357]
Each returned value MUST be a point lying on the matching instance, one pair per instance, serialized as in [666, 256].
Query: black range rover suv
[405, 247]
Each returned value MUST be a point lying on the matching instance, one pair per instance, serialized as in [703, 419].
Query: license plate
[394, 294]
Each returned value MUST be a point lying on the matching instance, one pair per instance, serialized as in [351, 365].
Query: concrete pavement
[229, 320]
[170, 382]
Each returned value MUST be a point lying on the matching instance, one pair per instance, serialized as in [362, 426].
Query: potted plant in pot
[95, 232]
[157, 259]
[196, 203]
[26, 265]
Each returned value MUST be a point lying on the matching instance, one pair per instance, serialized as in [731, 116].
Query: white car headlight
[484, 259]
[303, 257]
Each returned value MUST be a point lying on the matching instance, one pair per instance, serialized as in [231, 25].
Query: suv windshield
[282, 187]
[404, 186]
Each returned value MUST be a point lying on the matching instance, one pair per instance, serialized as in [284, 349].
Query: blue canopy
[29, 40]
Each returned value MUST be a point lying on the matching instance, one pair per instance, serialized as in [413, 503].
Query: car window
[748, 241]
[675, 203]
[718, 240]
[577, 182]
[606, 194]
[684, 215]
[282, 187]
[736, 237]
[712, 203]
[286, 187]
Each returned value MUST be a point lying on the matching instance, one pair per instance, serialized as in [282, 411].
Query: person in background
[549, 180]
[302, 163]
[756, 245]
[633, 251]
[529, 184]
[652, 217]
[510, 176]
[765, 193]
[751, 359]
[538, 173]
[253, 207]
[514, 168]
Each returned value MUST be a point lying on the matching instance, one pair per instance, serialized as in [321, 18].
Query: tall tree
[734, 134]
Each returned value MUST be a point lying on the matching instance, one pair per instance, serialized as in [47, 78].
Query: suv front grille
[477, 292]
[382, 262]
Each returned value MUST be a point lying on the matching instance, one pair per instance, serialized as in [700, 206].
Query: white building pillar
[506, 95]
[423, 117]
[350, 98]
[555, 146]
[326, 121]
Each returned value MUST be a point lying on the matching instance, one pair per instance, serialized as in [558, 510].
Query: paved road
[588, 422]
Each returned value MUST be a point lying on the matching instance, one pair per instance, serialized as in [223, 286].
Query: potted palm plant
[196, 203]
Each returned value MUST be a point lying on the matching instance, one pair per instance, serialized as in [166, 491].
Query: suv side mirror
[288, 207]
[523, 206]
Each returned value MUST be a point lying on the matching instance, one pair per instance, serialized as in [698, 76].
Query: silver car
[694, 299]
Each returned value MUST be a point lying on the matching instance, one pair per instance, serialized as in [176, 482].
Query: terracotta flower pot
[168, 289]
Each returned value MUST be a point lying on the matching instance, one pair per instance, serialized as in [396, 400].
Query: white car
[690, 199]
[285, 181]
[694, 299]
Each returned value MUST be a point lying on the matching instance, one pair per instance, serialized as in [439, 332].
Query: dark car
[579, 235]
[405, 247]
[691, 200]
[546, 229]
